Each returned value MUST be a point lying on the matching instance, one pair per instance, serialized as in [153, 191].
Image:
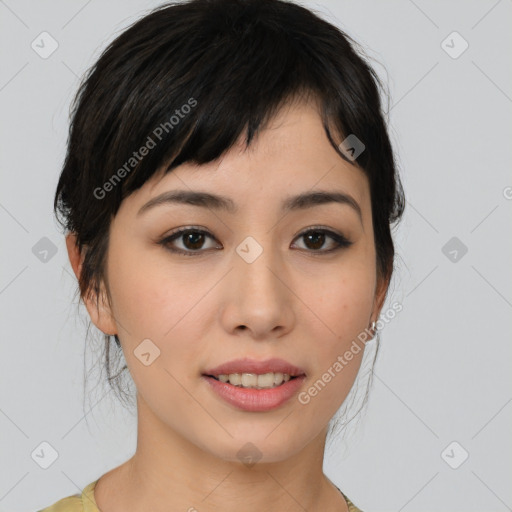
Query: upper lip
[247, 365]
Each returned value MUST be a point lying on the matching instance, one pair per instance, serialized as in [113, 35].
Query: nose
[257, 299]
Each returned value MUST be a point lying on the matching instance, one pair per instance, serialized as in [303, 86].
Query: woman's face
[251, 284]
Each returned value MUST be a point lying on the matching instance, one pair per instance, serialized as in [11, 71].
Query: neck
[168, 472]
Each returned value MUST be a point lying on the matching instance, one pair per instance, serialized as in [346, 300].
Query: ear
[380, 297]
[99, 309]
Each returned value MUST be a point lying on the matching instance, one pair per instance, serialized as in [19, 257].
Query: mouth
[255, 386]
[252, 392]
[254, 374]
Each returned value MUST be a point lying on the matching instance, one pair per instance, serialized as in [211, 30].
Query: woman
[227, 195]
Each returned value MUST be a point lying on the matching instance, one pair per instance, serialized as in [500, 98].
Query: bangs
[186, 81]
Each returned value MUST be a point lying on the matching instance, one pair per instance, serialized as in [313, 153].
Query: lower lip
[256, 400]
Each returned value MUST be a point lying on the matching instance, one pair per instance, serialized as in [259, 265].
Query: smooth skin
[295, 302]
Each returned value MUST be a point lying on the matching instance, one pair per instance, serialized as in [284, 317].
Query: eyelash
[341, 241]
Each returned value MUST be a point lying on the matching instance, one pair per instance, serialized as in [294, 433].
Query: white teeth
[235, 379]
[249, 380]
[252, 380]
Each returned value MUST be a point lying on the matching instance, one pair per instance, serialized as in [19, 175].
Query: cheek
[344, 308]
[152, 297]
[159, 304]
[341, 308]
[166, 304]
[343, 302]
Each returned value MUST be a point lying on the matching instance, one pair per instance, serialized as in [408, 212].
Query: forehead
[292, 155]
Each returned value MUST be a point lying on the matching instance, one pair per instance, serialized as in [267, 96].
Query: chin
[257, 447]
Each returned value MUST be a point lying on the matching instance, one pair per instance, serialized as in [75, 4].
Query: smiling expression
[264, 253]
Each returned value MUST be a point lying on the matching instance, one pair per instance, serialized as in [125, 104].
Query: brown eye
[314, 240]
[192, 241]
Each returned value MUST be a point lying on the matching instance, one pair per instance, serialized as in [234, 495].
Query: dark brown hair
[233, 63]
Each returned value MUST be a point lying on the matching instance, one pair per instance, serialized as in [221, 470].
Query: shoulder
[351, 506]
[69, 504]
[81, 502]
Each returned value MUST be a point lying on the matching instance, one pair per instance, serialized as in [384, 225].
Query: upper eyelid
[206, 232]
[331, 233]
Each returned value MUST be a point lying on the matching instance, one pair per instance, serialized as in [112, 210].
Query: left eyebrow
[216, 202]
[319, 197]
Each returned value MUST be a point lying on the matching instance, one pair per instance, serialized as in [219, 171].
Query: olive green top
[85, 502]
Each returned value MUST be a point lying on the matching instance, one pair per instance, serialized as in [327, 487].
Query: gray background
[443, 373]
